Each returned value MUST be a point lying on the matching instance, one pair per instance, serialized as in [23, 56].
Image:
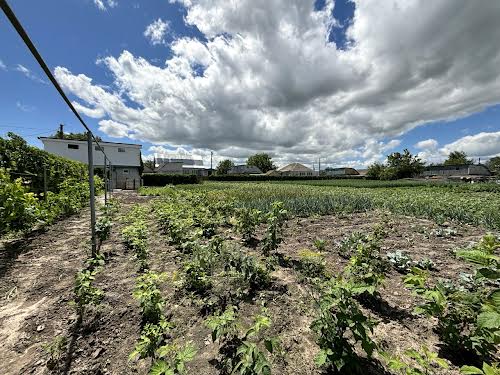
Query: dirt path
[36, 286]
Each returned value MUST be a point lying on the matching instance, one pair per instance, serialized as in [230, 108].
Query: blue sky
[76, 34]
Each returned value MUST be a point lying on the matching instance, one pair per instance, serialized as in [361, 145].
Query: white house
[125, 158]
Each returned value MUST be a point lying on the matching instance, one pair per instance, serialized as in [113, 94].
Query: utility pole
[211, 155]
[319, 165]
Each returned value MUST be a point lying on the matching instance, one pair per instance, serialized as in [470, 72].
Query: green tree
[224, 166]
[404, 164]
[494, 165]
[398, 165]
[375, 170]
[457, 158]
[262, 161]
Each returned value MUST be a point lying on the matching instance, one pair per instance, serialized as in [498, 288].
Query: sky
[345, 81]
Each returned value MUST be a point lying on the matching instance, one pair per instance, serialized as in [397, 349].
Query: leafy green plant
[350, 244]
[319, 244]
[311, 264]
[146, 291]
[172, 359]
[55, 350]
[400, 260]
[339, 317]
[425, 359]
[275, 220]
[85, 292]
[487, 369]
[103, 228]
[153, 335]
[366, 269]
[483, 255]
[245, 222]
[95, 262]
[223, 325]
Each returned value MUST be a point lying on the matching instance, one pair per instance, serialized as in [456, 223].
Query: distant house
[125, 158]
[340, 172]
[296, 169]
[244, 169]
[456, 170]
[180, 165]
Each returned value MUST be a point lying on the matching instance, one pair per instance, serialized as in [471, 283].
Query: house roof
[78, 141]
[295, 167]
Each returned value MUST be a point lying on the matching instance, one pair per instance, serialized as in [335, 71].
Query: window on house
[73, 147]
[98, 148]
[121, 149]
[125, 171]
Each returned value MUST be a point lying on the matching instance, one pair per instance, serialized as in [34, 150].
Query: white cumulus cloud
[267, 78]
[155, 32]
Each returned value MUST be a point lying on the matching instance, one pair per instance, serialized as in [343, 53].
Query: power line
[24, 36]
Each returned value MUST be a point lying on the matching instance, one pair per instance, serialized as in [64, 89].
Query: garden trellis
[90, 136]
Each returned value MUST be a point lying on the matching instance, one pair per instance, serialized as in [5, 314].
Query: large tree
[262, 161]
[405, 164]
[494, 165]
[224, 166]
[457, 158]
[398, 165]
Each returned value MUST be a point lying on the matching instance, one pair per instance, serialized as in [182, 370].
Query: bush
[19, 157]
[162, 179]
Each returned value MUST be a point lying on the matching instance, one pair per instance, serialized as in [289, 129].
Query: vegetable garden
[282, 278]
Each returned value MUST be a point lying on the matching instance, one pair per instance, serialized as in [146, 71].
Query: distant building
[456, 170]
[125, 158]
[244, 169]
[296, 169]
[180, 164]
[340, 172]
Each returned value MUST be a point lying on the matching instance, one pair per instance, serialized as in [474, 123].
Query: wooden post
[92, 193]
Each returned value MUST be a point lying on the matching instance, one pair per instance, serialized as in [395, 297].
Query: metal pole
[92, 193]
[105, 182]
[45, 183]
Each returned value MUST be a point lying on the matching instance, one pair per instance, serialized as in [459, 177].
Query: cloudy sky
[347, 81]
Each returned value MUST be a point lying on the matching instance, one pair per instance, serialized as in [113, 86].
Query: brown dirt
[37, 274]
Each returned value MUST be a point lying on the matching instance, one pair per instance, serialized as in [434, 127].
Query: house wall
[462, 170]
[130, 157]
[126, 178]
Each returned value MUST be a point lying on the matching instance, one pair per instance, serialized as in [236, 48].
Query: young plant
[152, 337]
[149, 295]
[339, 318]
[224, 326]
[55, 350]
[319, 244]
[312, 264]
[366, 269]
[172, 359]
[426, 361]
[85, 292]
[103, 228]
[400, 260]
[487, 369]
[349, 244]
[245, 222]
[275, 220]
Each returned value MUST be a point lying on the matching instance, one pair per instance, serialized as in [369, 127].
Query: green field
[477, 204]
